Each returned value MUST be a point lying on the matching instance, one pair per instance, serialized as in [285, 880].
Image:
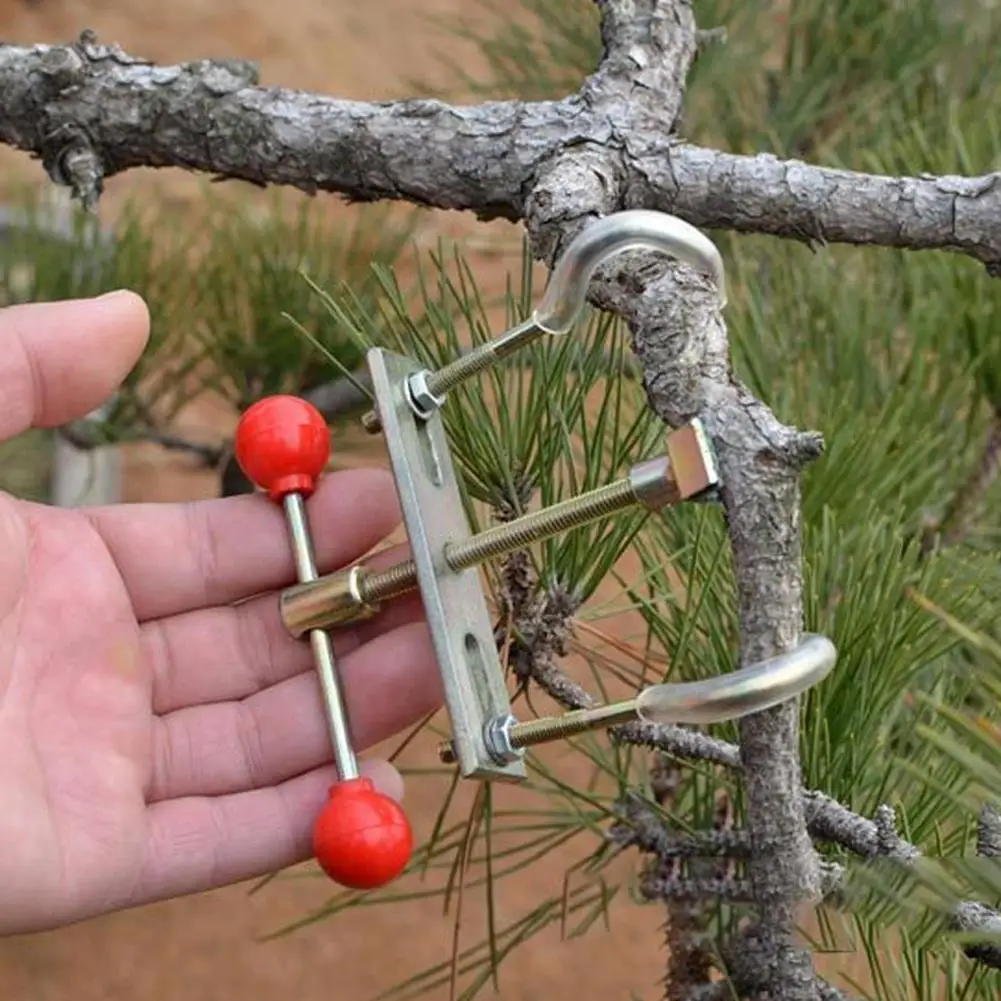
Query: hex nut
[422, 401]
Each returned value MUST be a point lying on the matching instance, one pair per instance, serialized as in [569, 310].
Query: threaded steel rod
[468, 365]
[537, 731]
[571, 724]
[391, 583]
[570, 513]
[458, 371]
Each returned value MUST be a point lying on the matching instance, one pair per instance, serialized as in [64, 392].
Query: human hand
[157, 739]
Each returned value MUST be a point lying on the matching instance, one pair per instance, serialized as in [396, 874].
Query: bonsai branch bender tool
[362, 839]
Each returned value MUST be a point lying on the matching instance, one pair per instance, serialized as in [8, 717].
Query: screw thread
[444, 379]
[567, 514]
[540, 731]
[500, 539]
[482, 357]
[391, 583]
[468, 365]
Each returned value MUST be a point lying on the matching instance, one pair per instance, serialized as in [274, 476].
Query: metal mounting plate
[454, 603]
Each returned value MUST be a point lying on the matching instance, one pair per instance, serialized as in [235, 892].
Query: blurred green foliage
[253, 298]
[52, 252]
[25, 465]
[232, 309]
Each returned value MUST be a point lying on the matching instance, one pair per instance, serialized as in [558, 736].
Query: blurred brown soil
[206, 947]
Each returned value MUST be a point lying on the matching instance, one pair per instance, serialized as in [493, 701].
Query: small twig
[80, 169]
[679, 742]
[829, 821]
[701, 890]
[691, 959]
[82, 435]
[707, 37]
[650, 836]
[210, 456]
[971, 916]
[341, 397]
[723, 991]
[542, 628]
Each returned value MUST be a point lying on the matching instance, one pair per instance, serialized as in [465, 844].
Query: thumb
[61, 360]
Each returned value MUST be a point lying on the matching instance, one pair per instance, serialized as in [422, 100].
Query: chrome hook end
[748, 690]
[566, 295]
[635, 229]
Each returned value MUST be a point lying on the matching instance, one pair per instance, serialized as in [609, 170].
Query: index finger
[176, 558]
[59, 360]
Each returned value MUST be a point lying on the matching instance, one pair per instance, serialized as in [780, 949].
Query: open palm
[160, 734]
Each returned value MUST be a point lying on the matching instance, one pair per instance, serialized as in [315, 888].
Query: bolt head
[422, 401]
[693, 461]
[497, 737]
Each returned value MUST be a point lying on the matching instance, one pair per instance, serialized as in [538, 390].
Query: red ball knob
[362, 838]
[282, 445]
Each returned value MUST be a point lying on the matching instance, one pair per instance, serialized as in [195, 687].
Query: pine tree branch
[830, 821]
[723, 991]
[692, 955]
[84, 436]
[644, 829]
[736, 891]
[971, 916]
[878, 838]
[680, 339]
[341, 396]
[679, 742]
[819, 205]
[92, 111]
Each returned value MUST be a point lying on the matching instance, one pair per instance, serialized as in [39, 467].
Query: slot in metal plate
[454, 603]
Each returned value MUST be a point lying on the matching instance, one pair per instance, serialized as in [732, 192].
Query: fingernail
[118, 292]
[386, 778]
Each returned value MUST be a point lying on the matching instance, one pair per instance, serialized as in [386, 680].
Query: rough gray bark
[680, 340]
[91, 111]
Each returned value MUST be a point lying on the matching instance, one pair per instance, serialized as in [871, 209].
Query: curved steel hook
[635, 229]
[748, 690]
[740, 693]
[566, 294]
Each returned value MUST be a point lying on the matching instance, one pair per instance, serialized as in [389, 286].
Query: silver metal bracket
[455, 605]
